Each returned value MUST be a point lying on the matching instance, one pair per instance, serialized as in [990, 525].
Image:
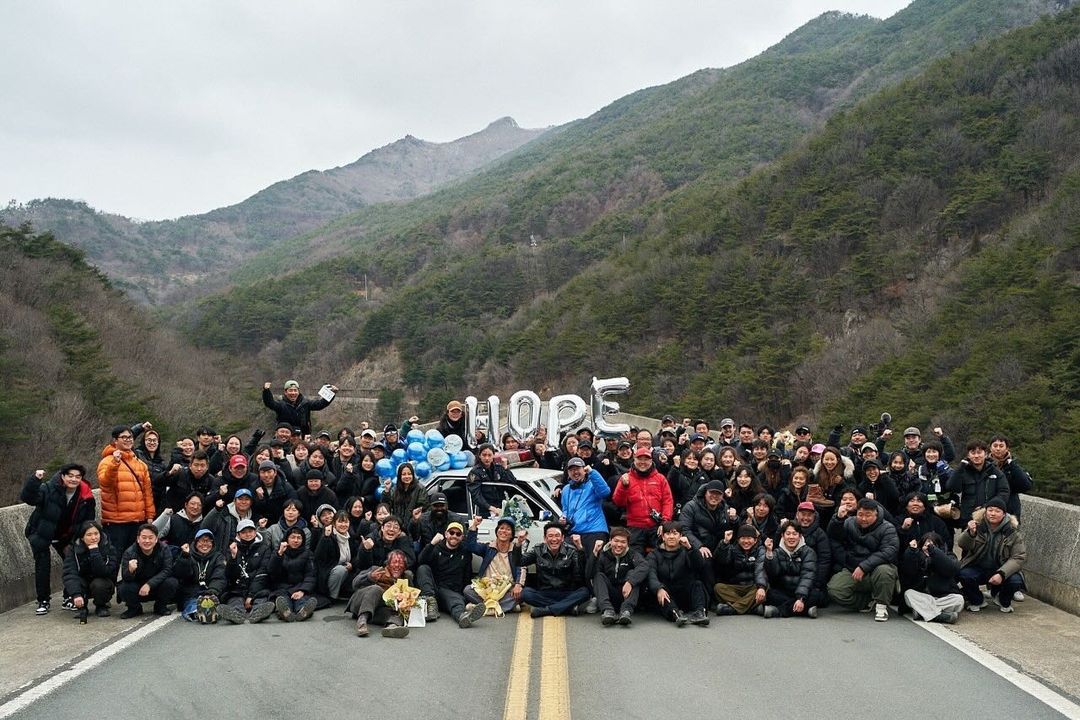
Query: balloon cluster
[427, 452]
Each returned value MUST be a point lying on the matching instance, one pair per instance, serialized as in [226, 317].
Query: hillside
[917, 254]
[77, 357]
[161, 261]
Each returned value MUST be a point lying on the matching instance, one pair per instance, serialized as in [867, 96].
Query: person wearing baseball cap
[646, 497]
[200, 571]
[235, 477]
[293, 407]
[815, 536]
[444, 568]
[436, 519]
[245, 591]
[453, 422]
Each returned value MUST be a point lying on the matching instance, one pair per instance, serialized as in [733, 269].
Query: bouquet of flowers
[491, 591]
[401, 597]
[518, 510]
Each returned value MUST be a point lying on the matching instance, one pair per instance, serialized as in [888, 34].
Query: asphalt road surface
[838, 665]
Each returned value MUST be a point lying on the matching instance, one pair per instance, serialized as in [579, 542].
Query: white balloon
[565, 412]
[601, 407]
[530, 402]
[437, 456]
[451, 444]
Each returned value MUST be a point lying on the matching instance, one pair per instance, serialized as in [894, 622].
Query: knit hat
[995, 502]
[746, 531]
[714, 485]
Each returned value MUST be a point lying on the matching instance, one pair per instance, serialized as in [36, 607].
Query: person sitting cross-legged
[444, 569]
[791, 568]
[560, 583]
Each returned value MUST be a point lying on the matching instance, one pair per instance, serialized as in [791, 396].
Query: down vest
[126, 493]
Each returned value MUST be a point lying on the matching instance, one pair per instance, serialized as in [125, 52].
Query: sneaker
[723, 609]
[592, 607]
[394, 630]
[307, 609]
[361, 626]
[432, 613]
[881, 612]
[770, 611]
[42, 607]
[284, 612]
[1006, 608]
[608, 618]
[539, 612]
[626, 617]
[162, 609]
[1019, 596]
[698, 617]
[949, 618]
[231, 614]
[976, 608]
[132, 611]
[260, 612]
[680, 619]
[102, 611]
[471, 615]
[811, 612]
[69, 604]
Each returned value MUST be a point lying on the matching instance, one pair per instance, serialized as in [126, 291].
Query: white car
[532, 489]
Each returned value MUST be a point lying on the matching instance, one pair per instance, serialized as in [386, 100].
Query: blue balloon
[397, 457]
[444, 467]
[423, 469]
[416, 451]
[458, 460]
[385, 468]
[414, 436]
[433, 439]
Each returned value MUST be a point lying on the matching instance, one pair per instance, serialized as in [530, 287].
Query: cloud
[156, 110]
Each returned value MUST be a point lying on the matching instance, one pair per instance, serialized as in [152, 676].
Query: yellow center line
[517, 687]
[554, 673]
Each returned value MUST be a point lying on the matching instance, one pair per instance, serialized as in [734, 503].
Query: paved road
[835, 665]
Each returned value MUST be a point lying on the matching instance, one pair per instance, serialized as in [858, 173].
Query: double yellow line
[554, 673]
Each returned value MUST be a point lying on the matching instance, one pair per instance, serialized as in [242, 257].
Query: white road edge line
[1025, 682]
[55, 682]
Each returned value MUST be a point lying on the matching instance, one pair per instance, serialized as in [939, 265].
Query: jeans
[558, 602]
[972, 577]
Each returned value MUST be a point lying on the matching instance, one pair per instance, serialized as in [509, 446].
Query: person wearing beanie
[994, 553]
[740, 572]
[313, 494]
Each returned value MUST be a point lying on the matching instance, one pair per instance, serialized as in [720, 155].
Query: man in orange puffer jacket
[127, 499]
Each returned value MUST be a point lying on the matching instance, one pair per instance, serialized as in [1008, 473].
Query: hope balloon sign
[565, 412]
[527, 402]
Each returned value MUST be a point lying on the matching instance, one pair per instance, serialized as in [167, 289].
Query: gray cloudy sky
[155, 110]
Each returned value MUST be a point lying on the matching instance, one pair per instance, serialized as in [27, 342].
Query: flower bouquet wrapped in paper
[401, 597]
[491, 590]
[518, 510]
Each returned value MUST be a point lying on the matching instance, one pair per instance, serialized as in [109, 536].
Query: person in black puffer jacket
[291, 578]
[146, 574]
[90, 567]
[444, 570]
[61, 506]
[293, 407]
[866, 546]
[149, 451]
[814, 535]
[929, 576]
[247, 558]
[740, 572]
[916, 520]
[791, 568]
[704, 520]
[674, 578]
[978, 481]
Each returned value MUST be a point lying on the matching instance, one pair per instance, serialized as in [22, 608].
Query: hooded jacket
[702, 526]
[735, 566]
[1010, 552]
[583, 503]
[294, 570]
[127, 496]
[646, 492]
[792, 571]
[200, 574]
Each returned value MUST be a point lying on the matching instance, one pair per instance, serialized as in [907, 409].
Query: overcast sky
[156, 110]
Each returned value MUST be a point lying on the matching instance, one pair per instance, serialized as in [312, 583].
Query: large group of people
[683, 522]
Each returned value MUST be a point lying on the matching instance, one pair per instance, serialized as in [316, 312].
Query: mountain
[77, 357]
[916, 249]
[154, 261]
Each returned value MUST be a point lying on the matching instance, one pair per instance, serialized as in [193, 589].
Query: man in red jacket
[646, 496]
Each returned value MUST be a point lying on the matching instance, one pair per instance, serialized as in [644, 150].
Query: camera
[656, 517]
[880, 427]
